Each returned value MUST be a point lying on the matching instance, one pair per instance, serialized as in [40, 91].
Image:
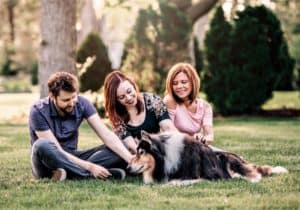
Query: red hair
[115, 110]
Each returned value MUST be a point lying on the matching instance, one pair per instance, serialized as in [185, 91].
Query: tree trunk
[199, 9]
[196, 10]
[58, 39]
[88, 21]
[182, 4]
[11, 20]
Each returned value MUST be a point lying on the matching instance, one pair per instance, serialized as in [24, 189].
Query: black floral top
[156, 111]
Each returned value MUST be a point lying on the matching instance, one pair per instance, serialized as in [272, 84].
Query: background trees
[155, 44]
[162, 36]
[247, 61]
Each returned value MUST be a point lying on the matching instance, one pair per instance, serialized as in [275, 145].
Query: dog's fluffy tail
[266, 170]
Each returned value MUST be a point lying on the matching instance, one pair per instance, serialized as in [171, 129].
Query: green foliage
[295, 51]
[246, 62]
[92, 77]
[8, 67]
[199, 63]
[34, 74]
[217, 42]
[158, 40]
[13, 85]
[281, 61]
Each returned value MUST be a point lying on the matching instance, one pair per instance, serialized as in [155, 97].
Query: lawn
[272, 141]
[267, 140]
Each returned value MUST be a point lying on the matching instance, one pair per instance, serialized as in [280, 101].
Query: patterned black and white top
[156, 111]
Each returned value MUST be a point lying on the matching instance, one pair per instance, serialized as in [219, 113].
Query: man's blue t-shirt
[44, 116]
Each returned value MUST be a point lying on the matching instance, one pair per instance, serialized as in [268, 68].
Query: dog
[173, 157]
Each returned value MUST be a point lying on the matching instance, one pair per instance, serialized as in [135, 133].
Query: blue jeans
[45, 157]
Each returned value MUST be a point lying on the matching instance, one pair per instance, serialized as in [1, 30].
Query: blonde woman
[190, 114]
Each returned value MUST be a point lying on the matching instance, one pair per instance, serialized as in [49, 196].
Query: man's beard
[64, 110]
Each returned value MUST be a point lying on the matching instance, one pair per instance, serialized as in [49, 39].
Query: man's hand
[99, 171]
[132, 144]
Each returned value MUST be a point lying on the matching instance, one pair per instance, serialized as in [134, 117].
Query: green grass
[272, 141]
[283, 99]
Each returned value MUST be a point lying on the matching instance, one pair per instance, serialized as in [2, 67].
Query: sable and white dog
[174, 156]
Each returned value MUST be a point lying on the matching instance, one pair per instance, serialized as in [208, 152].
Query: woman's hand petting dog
[200, 137]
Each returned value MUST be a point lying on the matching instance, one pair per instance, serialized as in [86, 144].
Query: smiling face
[181, 86]
[126, 94]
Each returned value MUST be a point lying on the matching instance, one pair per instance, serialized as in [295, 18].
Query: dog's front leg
[147, 178]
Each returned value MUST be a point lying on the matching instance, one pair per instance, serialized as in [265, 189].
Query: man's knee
[42, 146]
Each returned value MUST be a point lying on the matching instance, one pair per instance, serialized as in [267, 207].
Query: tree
[217, 51]
[10, 4]
[58, 39]
[246, 61]
[199, 63]
[194, 10]
[93, 76]
[156, 43]
[281, 61]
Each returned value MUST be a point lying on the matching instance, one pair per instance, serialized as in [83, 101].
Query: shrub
[217, 50]
[8, 67]
[281, 61]
[245, 64]
[92, 77]
[198, 57]
[34, 74]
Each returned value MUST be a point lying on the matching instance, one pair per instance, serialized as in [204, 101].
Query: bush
[281, 61]
[246, 62]
[92, 77]
[34, 74]
[198, 57]
[217, 51]
[8, 67]
[13, 85]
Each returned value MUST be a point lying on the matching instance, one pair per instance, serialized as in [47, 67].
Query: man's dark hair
[62, 80]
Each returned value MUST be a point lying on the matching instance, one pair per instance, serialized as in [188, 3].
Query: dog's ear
[145, 145]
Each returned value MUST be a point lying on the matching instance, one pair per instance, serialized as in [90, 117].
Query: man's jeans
[45, 157]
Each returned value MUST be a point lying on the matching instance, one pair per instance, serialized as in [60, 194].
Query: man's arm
[109, 138]
[96, 170]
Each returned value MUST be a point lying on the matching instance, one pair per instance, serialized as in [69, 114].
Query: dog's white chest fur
[173, 148]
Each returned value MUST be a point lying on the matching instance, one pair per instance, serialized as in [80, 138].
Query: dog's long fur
[168, 156]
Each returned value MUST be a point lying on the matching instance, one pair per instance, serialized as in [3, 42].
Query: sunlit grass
[262, 140]
[283, 99]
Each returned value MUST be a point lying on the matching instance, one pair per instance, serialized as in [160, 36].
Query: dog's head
[143, 160]
[149, 156]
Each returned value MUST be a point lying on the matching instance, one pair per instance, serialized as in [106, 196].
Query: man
[54, 123]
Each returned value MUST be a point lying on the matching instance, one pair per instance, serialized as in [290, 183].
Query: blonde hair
[192, 75]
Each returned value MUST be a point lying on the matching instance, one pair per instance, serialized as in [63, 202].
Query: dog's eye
[141, 152]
